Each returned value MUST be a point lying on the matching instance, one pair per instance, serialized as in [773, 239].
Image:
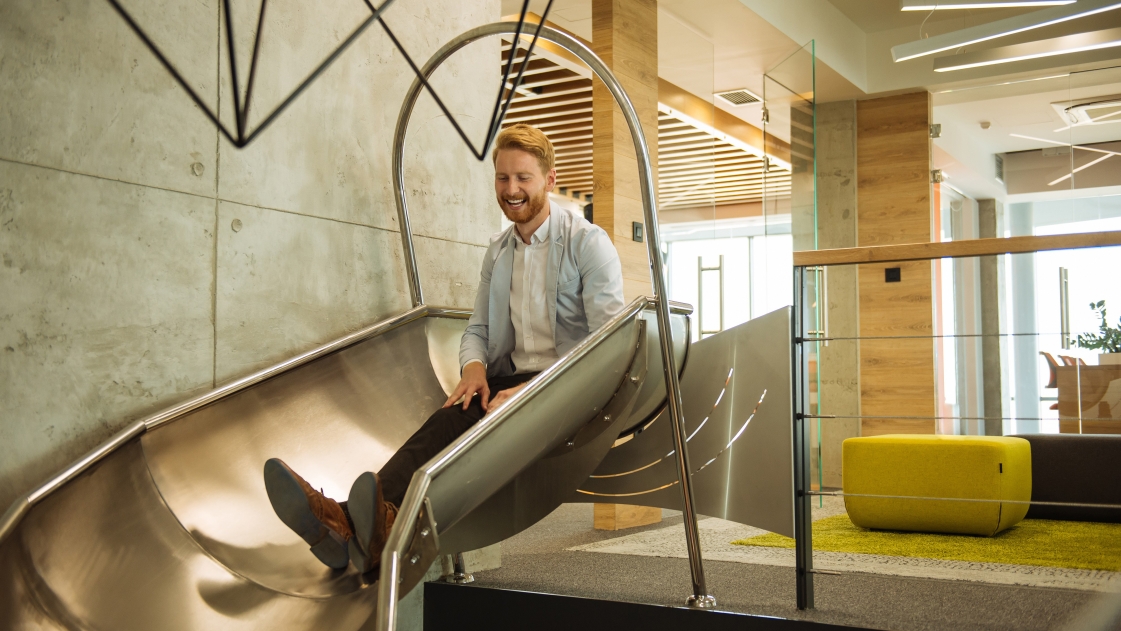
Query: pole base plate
[459, 579]
[701, 602]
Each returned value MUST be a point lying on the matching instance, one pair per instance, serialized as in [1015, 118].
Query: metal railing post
[803, 521]
[700, 599]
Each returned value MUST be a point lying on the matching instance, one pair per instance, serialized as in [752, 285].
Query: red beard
[533, 207]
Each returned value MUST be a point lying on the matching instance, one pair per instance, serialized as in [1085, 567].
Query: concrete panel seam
[305, 215]
[106, 179]
[217, 202]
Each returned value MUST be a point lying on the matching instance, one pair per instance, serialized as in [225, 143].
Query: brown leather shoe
[318, 519]
[373, 518]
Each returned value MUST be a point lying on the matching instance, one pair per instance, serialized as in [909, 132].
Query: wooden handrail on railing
[955, 249]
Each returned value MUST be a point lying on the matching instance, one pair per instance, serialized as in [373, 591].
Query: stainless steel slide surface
[172, 528]
[738, 417]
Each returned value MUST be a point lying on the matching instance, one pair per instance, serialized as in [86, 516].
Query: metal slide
[173, 529]
[167, 525]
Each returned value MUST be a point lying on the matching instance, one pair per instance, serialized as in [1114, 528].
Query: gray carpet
[538, 560]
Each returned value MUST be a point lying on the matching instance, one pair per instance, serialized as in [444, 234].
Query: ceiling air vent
[739, 97]
[1093, 111]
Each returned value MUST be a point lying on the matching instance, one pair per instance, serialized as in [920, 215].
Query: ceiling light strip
[1070, 44]
[1084, 166]
[1066, 144]
[926, 5]
[1001, 28]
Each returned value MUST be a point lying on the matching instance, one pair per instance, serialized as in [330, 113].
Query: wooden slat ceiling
[694, 167]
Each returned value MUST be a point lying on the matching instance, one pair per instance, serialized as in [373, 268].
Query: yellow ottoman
[973, 467]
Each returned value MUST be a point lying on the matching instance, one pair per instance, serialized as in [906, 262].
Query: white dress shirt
[587, 293]
[534, 346]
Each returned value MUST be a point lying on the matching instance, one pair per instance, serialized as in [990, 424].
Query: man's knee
[454, 419]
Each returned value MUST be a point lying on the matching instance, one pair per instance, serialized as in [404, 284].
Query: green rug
[1067, 544]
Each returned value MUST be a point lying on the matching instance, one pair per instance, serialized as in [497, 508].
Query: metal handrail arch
[392, 556]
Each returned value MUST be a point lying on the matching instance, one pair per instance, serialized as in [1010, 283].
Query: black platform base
[470, 608]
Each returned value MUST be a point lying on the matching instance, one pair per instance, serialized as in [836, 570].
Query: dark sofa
[1083, 468]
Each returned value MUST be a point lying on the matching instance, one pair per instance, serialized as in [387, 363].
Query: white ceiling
[713, 45]
[883, 15]
[706, 46]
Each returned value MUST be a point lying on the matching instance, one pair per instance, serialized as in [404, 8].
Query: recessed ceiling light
[1001, 28]
[927, 5]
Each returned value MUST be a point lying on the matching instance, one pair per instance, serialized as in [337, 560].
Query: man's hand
[501, 397]
[474, 380]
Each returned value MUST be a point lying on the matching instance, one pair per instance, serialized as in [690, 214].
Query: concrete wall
[146, 260]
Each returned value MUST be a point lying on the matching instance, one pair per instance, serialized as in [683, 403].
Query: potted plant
[1108, 341]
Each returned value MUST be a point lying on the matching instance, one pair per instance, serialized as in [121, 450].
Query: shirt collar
[541, 235]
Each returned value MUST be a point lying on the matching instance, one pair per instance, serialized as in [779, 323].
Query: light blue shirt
[583, 284]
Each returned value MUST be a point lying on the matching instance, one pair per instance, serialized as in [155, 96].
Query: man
[546, 283]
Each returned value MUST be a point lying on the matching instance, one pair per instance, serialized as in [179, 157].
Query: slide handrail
[20, 506]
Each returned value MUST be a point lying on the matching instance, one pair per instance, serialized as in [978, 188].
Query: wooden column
[625, 36]
[897, 377]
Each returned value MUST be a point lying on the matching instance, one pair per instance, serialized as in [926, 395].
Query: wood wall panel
[897, 376]
[893, 170]
[622, 516]
[625, 36]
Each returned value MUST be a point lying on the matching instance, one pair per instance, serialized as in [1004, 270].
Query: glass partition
[1066, 380]
[790, 208]
[1043, 502]
[704, 268]
[1055, 172]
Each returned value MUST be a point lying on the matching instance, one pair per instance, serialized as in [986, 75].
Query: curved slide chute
[172, 529]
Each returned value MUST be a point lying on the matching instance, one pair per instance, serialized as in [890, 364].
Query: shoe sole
[291, 505]
[363, 503]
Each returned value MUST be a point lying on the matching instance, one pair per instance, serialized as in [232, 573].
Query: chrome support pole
[399, 194]
[459, 575]
[700, 598]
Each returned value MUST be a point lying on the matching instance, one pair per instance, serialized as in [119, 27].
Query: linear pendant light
[1001, 28]
[1066, 45]
[942, 5]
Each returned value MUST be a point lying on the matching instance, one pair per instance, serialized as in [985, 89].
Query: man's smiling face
[521, 187]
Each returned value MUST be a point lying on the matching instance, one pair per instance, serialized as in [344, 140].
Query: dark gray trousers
[439, 431]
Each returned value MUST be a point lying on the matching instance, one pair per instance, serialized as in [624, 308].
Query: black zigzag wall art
[241, 135]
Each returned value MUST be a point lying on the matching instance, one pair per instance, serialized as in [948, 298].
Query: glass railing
[924, 342]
